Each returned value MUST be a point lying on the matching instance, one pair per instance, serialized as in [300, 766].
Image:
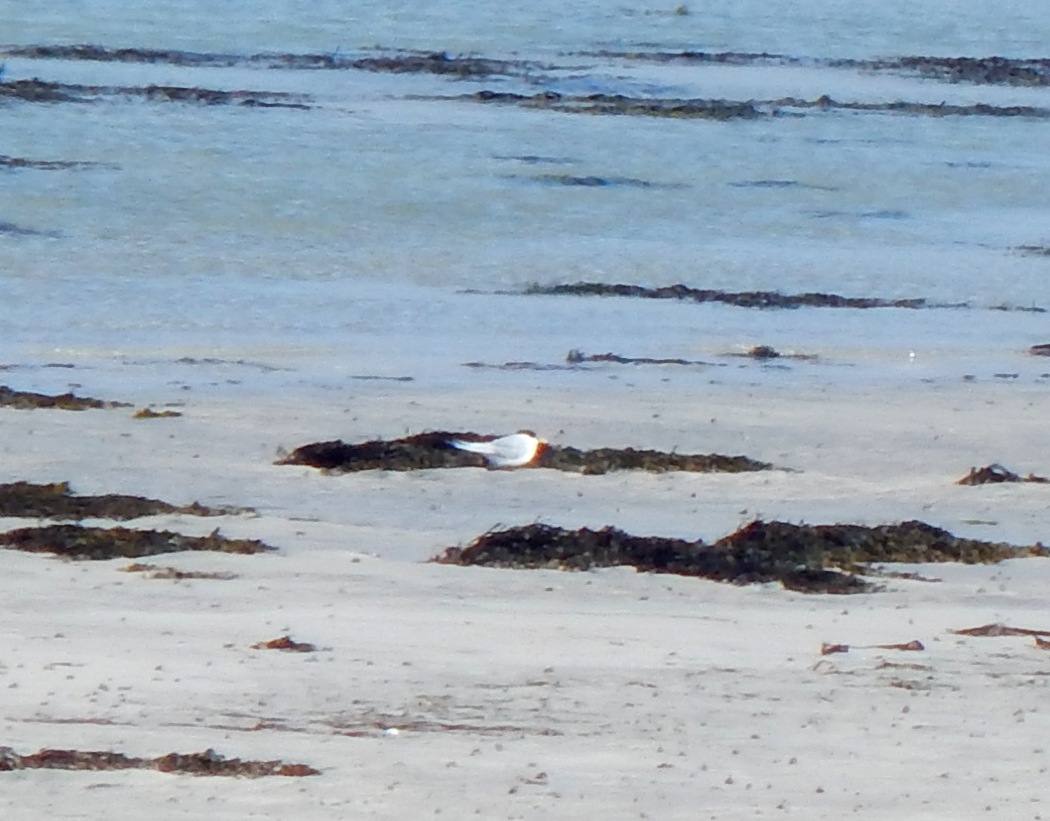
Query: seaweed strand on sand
[432, 450]
[806, 558]
[208, 762]
[57, 501]
[80, 542]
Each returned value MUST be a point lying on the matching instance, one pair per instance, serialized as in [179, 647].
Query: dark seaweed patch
[544, 546]
[438, 63]
[575, 356]
[996, 630]
[46, 165]
[78, 542]
[56, 501]
[40, 91]
[843, 545]
[976, 70]
[590, 181]
[208, 762]
[121, 55]
[763, 352]
[418, 452]
[826, 103]
[432, 450]
[525, 366]
[400, 62]
[19, 231]
[606, 460]
[724, 110]
[767, 353]
[738, 58]
[816, 559]
[996, 474]
[149, 413]
[765, 184]
[536, 159]
[27, 400]
[615, 104]
[743, 299]
[209, 96]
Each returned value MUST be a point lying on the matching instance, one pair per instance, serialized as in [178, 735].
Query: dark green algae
[804, 558]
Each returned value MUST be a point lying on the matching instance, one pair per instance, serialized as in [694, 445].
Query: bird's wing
[515, 450]
[511, 447]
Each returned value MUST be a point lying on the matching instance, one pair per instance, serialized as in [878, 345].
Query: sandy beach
[474, 692]
[810, 235]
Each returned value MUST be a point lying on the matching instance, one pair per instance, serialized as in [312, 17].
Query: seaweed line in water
[42, 91]
[724, 110]
[47, 165]
[742, 299]
[391, 62]
[576, 356]
[576, 360]
[976, 70]
[746, 299]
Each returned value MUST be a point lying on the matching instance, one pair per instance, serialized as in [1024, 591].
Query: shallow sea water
[388, 228]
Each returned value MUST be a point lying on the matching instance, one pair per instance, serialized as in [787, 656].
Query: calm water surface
[377, 229]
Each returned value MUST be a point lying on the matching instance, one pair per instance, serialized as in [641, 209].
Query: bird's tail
[473, 447]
